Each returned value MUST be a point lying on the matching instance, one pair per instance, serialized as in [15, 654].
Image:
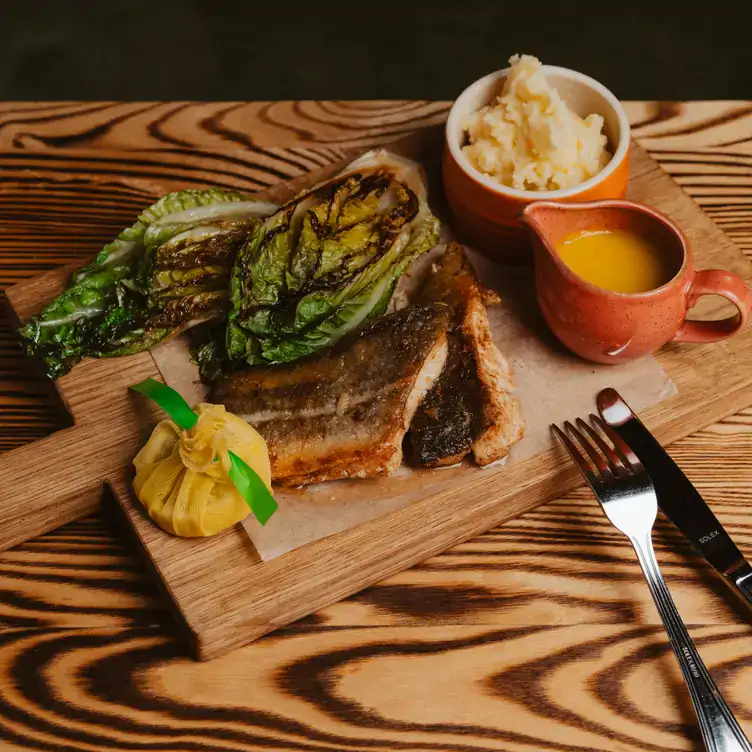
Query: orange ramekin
[484, 213]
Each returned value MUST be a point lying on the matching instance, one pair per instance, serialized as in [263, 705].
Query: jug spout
[539, 212]
[549, 221]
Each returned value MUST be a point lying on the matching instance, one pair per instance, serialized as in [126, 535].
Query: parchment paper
[552, 385]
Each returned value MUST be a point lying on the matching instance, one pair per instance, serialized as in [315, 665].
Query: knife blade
[678, 499]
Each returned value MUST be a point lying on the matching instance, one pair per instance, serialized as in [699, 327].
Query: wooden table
[539, 635]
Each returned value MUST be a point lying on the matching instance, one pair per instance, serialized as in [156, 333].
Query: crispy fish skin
[344, 412]
[451, 415]
[472, 405]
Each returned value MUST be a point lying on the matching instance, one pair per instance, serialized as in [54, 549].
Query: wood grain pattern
[257, 597]
[60, 477]
[363, 689]
[82, 597]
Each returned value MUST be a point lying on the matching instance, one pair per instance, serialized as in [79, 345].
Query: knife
[677, 497]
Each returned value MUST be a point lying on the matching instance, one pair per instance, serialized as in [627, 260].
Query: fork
[626, 493]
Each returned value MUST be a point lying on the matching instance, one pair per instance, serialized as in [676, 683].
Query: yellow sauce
[614, 260]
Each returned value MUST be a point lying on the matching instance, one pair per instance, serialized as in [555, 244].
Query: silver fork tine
[613, 459]
[605, 471]
[621, 446]
[577, 458]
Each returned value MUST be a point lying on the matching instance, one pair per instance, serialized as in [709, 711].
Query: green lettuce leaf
[167, 271]
[326, 262]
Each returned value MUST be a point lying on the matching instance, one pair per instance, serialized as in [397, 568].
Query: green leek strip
[252, 489]
[246, 480]
[169, 400]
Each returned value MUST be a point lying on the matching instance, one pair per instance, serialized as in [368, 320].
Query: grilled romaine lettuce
[168, 271]
[326, 262]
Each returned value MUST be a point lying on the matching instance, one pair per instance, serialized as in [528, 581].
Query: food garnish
[168, 271]
[201, 471]
[325, 263]
[528, 139]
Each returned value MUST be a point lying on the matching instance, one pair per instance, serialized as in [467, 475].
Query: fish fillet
[344, 412]
[472, 406]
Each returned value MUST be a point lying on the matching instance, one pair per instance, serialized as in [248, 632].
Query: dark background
[215, 49]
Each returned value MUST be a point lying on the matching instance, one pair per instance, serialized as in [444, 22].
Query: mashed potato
[529, 139]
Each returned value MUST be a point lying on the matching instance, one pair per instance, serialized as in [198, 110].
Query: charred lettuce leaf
[326, 262]
[168, 271]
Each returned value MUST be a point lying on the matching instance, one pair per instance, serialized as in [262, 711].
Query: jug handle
[727, 285]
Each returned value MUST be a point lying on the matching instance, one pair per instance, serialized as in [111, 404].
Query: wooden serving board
[222, 595]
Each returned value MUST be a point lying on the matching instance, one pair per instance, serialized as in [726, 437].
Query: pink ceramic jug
[612, 327]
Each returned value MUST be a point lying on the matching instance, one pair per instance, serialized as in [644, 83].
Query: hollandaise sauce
[615, 260]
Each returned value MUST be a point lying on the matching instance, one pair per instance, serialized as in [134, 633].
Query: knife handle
[741, 579]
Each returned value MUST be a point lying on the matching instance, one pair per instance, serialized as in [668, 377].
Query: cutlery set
[632, 476]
